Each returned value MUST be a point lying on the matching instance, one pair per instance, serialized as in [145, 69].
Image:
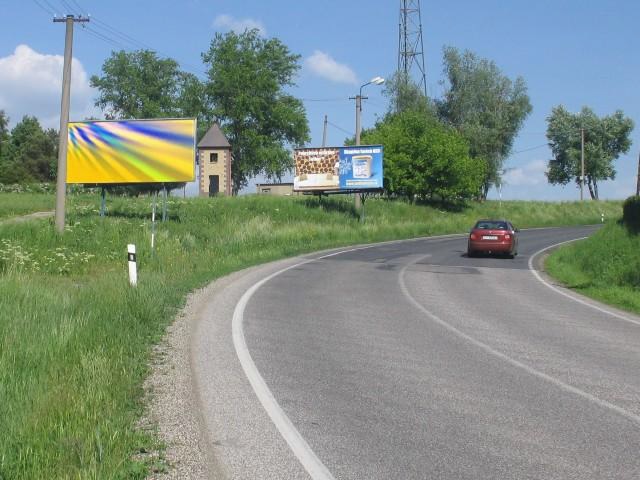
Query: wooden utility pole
[324, 132]
[61, 184]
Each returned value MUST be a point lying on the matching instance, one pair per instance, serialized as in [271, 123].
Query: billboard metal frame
[143, 120]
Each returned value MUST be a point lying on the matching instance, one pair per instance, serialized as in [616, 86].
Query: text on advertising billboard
[131, 151]
[338, 168]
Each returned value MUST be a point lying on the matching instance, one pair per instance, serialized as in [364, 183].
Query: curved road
[408, 360]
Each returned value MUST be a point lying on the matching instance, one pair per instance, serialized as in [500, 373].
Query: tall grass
[606, 266]
[75, 338]
[12, 204]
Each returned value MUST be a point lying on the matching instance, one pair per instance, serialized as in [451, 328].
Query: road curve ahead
[408, 360]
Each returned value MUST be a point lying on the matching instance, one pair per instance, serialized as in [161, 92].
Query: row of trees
[453, 147]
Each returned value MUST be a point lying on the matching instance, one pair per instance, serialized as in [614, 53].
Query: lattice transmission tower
[410, 45]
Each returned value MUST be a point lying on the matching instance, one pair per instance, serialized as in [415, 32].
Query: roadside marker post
[131, 257]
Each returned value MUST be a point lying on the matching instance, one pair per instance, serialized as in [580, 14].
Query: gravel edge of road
[171, 403]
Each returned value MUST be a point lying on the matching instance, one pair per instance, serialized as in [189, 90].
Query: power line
[338, 99]
[339, 128]
[529, 149]
[51, 11]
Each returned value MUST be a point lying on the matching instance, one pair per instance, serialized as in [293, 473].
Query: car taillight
[473, 236]
[507, 237]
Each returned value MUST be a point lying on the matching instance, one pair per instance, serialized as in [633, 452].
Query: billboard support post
[164, 202]
[103, 201]
[153, 223]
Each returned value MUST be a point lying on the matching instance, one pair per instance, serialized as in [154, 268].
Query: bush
[631, 214]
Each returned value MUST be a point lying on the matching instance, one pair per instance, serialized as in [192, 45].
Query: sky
[569, 52]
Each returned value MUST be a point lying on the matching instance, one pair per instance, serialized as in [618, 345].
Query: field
[606, 266]
[76, 339]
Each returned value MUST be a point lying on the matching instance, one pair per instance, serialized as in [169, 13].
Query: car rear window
[491, 225]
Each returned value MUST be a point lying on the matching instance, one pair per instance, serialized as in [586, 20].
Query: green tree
[424, 158]
[604, 140]
[31, 153]
[405, 95]
[485, 106]
[4, 132]
[247, 77]
[140, 85]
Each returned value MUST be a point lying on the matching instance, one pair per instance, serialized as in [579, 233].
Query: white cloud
[531, 173]
[31, 84]
[238, 25]
[323, 65]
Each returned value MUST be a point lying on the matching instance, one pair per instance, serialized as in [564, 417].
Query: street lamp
[358, 98]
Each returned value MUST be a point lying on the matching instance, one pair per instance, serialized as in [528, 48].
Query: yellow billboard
[131, 151]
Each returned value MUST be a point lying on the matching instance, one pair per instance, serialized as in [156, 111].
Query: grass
[606, 266]
[13, 204]
[75, 339]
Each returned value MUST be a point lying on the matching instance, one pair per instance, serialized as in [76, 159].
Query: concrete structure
[214, 158]
[282, 189]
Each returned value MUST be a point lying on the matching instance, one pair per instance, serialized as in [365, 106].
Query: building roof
[214, 138]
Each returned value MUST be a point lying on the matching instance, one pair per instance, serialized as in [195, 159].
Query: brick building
[214, 158]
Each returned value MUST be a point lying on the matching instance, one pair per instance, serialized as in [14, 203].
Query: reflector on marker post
[131, 257]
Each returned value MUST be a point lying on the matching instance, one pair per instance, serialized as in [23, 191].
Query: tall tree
[30, 153]
[605, 139]
[424, 158]
[485, 106]
[405, 95]
[247, 77]
[139, 84]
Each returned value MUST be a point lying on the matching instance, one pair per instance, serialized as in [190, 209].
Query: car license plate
[489, 237]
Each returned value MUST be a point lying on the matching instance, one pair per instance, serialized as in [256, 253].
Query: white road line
[564, 386]
[569, 295]
[298, 445]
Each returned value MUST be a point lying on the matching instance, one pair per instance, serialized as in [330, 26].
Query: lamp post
[358, 99]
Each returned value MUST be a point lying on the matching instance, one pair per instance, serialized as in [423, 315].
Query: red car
[493, 236]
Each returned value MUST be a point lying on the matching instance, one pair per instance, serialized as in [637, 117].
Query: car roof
[492, 221]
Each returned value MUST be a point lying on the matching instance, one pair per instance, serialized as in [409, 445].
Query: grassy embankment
[606, 266]
[13, 204]
[75, 339]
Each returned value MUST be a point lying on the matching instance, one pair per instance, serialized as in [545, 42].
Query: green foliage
[631, 214]
[605, 139]
[485, 106]
[140, 85]
[29, 153]
[246, 79]
[423, 158]
[405, 95]
[4, 132]
[605, 266]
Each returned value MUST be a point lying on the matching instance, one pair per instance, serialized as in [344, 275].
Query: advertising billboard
[131, 151]
[338, 168]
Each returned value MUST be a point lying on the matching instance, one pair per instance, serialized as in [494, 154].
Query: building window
[266, 190]
[213, 157]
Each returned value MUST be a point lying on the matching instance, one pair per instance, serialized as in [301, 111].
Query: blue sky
[569, 52]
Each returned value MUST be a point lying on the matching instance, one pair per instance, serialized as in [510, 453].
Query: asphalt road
[409, 360]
